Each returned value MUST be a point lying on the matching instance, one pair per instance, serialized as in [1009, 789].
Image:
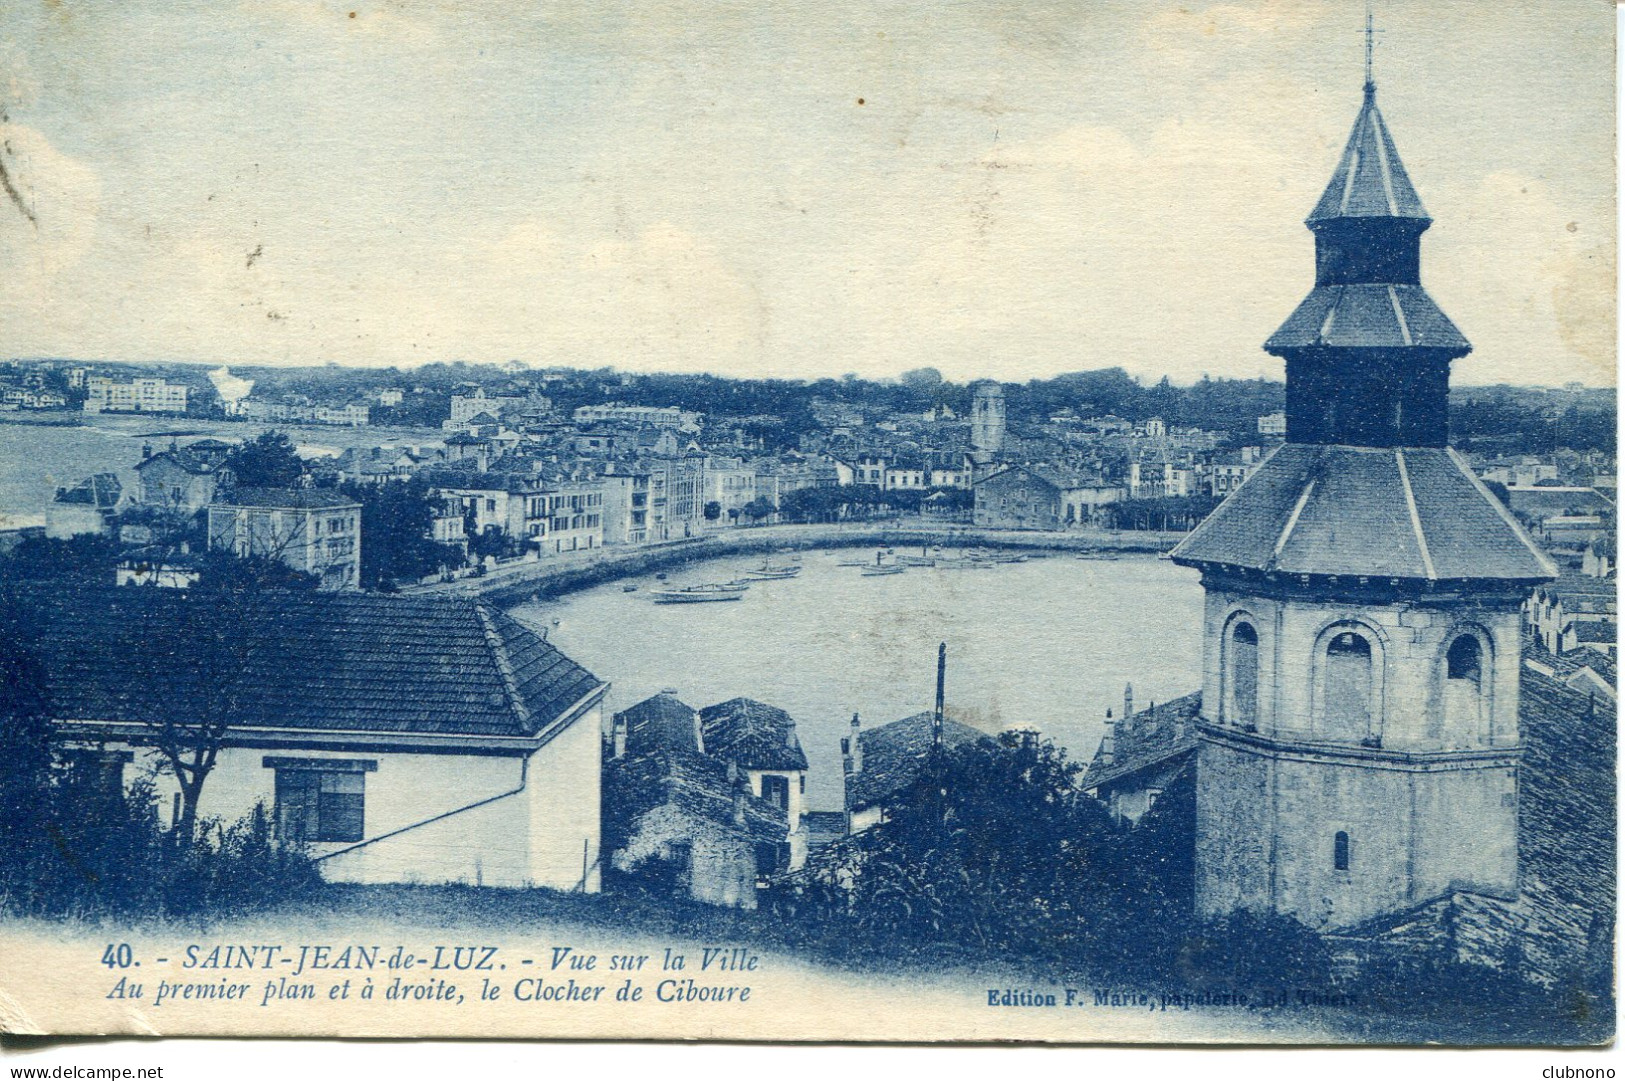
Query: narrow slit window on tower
[1244, 674]
[1348, 687]
[1340, 851]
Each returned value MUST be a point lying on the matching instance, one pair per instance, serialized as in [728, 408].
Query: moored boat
[883, 568]
[700, 594]
[770, 573]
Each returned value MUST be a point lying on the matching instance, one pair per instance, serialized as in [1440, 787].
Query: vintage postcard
[1076, 523]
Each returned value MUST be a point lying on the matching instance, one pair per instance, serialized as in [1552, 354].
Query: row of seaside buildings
[613, 475]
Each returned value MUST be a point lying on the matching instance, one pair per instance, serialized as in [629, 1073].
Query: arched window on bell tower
[1241, 675]
[1465, 691]
[1348, 685]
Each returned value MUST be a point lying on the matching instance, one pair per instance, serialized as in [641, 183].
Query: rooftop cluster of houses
[41, 385]
[710, 803]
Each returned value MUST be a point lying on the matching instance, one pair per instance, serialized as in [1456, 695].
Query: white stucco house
[402, 740]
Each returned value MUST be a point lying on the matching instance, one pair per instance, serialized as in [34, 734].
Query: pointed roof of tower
[1412, 512]
[1370, 181]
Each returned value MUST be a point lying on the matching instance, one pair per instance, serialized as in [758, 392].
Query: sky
[995, 189]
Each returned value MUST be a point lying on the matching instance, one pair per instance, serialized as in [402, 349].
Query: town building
[313, 530]
[1359, 735]
[443, 742]
[1572, 611]
[1142, 754]
[761, 741]
[140, 395]
[1040, 497]
[568, 515]
[625, 511]
[183, 479]
[1157, 476]
[470, 404]
[1226, 471]
[730, 486]
[703, 804]
[657, 416]
[158, 565]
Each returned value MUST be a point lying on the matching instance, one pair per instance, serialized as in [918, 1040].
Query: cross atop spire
[1370, 34]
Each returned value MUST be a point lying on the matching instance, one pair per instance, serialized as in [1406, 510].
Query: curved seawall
[555, 576]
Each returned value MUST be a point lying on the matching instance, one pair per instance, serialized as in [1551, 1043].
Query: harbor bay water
[1045, 644]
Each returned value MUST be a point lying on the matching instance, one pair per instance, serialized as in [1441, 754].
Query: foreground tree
[396, 546]
[268, 461]
[25, 748]
[993, 845]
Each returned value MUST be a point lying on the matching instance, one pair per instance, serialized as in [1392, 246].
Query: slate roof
[1416, 513]
[320, 661]
[659, 723]
[1370, 181]
[1593, 631]
[1576, 589]
[695, 784]
[895, 754]
[1148, 738]
[1376, 316]
[285, 498]
[187, 460]
[823, 827]
[753, 734]
[1567, 793]
[1598, 660]
[1557, 500]
[1565, 666]
[100, 490]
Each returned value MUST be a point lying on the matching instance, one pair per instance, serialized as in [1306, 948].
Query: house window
[97, 774]
[1243, 674]
[1348, 687]
[1340, 851]
[776, 790]
[320, 799]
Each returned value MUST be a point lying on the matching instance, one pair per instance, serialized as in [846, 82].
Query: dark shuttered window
[321, 799]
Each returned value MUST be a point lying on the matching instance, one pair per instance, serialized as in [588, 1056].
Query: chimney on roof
[1108, 742]
[733, 771]
[174, 445]
[1128, 701]
[854, 745]
[739, 806]
[618, 729]
[146, 451]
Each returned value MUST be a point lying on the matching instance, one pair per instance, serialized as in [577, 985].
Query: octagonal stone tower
[1359, 736]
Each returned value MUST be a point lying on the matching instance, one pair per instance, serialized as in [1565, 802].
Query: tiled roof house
[704, 803]
[880, 764]
[404, 740]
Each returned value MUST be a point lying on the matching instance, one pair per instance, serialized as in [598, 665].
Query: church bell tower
[1359, 730]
